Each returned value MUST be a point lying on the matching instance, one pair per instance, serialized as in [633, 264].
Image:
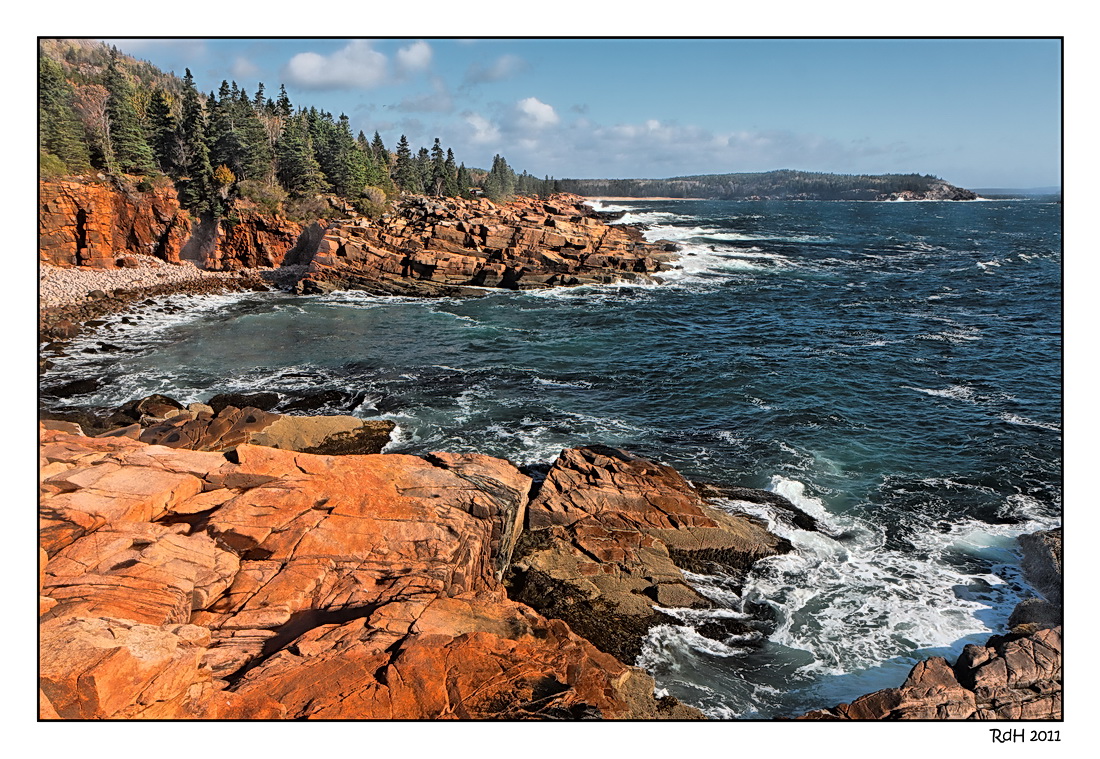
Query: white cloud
[484, 131]
[532, 136]
[355, 66]
[502, 68]
[415, 57]
[243, 68]
[535, 114]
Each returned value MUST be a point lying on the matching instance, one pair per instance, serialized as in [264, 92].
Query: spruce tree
[298, 169]
[451, 187]
[59, 130]
[465, 182]
[405, 172]
[130, 151]
[163, 128]
[423, 162]
[283, 103]
[195, 183]
[381, 155]
[439, 170]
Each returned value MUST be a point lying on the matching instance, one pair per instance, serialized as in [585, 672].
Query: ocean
[894, 369]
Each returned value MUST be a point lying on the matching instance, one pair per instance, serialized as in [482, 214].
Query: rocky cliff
[95, 223]
[102, 223]
[447, 245]
[270, 583]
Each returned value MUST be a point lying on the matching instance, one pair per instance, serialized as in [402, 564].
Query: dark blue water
[893, 368]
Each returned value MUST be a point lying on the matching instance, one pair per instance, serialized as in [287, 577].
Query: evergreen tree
[423, 163]
[500, 185]
[451, 187]
[224, 138]
[163, 128]
[438, 180]
[59, 130]
[130, 151]
[465, 182]
[299, 172]
[405, 172]
[282, 105]
[192, 156]
[381, 155]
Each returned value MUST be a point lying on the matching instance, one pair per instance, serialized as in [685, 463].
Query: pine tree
[438, 180]
[464, 181]
[381, 155]
[224, 138]
[500, 185]
[283, 103]
[299, 172]
[451, 187]
[423, 162]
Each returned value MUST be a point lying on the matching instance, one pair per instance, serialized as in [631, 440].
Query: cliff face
[438, 246]
[96, 224]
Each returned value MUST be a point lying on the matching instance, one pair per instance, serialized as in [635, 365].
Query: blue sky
[979, 113]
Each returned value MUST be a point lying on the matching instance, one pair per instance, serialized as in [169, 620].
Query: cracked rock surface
[279, 584]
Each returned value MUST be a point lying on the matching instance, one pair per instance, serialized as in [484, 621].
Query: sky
[976, 112]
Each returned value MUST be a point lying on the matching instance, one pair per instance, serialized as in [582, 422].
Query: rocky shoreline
[221, 561]
[200, 565]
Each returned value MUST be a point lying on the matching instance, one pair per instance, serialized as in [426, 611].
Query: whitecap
[955, 392]
[1024, 421]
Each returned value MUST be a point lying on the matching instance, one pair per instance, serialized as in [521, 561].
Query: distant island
[785, 184]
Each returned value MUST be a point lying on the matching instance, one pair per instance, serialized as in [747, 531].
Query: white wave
[666, 646]
[604, 206]
[955, 392]
[557, 383]
[1024, 421]
[648, 217]
[984, 265]
[965, 335]
[854, 604]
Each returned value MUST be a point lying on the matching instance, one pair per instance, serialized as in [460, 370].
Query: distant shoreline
[602, 198]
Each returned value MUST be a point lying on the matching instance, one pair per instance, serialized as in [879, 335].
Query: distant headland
[785, 184]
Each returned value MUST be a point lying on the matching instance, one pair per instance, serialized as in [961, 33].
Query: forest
[101, 111]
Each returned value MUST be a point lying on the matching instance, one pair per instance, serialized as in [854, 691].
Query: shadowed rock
[607, 537]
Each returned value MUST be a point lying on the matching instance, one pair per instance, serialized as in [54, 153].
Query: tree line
[103, 111]
[782, 184]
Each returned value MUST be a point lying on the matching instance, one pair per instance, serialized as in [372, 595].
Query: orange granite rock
[608, 536]
[93, 223]
[281, 584]
[432, 246]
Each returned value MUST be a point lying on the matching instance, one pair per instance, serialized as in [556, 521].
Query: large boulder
[1008, 679]
[608, 536]
[200, 427]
